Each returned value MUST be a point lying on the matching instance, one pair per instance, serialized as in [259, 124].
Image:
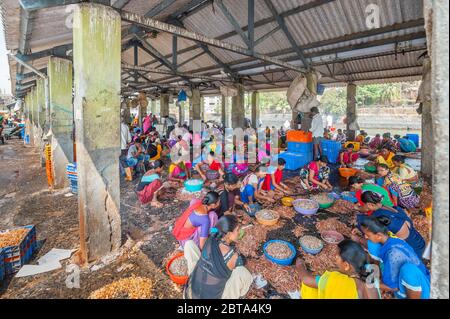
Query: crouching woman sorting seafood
[347, 283]
[195, 223]
[217, 272]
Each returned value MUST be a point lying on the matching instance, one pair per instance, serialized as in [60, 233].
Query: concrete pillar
[181, 112]
[29, 119]
[255, 109]
[61, 117]
[437, 23]
[41, 106]
[153, 106]
[97, 37]
[202, 108]
[164, 103]
[237, 108]
[35, 117]
[196, 106]
[224, 117]
[427, 129]
[351, 110]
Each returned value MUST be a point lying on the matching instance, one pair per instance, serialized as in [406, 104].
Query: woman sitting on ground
[406, 172]
[347, 283]
[402, 192]
[357, 185]
[316, 175]
[213, 165]
[178, 172]
[385, 157]
[217, 272]
[348, 157]
[230, 195]
[150, 185]
[135, 156]
[195, 223]
[394, 218]
[402, 269]
[376, 142]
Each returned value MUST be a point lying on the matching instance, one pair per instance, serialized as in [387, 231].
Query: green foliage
[334, 100]
[274, 102]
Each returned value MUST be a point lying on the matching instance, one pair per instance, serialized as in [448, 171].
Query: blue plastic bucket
[283, 262]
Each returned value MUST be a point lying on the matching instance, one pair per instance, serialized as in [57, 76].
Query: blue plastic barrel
[414, 138]
[331, 149]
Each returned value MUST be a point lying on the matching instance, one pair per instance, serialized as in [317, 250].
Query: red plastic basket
[180, 280]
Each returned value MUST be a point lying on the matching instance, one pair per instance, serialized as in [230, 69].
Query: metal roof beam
[33, 5]
[60, 51]
[287, 33]
[160, 7]
[119, 4]
[233, 22]
[206, 50]
[188, 8]
[164, 27]
[147, 47]
[24, 76]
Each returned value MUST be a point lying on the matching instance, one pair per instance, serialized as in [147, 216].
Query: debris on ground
[128, 288]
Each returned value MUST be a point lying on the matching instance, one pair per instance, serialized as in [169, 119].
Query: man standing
[169, 125]
[125, 137]
[317, 130]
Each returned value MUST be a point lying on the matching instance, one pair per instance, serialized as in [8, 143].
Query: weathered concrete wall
[351, 110]
[164, 105]
[196, 105]
[97, 37]
[237, 108]
[61, 118]
[255, 110]
[427, 127]
[224, 113]
[437, 30]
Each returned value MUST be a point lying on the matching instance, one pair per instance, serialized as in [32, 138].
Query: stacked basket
[48, 164]
[2, 265]
[14, 257]
[73, 177]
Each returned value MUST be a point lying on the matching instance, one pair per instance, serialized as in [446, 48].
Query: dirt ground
[26, 199]
[146, 233]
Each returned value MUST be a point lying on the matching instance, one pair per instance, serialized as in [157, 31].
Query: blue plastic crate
[17, 256]
[295, 161]
[331, 149]
[2, 265]
[297, 147]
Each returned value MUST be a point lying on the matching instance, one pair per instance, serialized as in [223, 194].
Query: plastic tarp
[299, 97]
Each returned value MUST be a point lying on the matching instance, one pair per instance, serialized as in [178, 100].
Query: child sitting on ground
[348, 157]
[273, 180]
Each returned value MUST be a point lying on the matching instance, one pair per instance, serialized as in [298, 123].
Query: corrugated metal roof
[339, 19]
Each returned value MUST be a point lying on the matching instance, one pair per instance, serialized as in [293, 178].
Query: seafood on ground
[127, 288]
[305, 204]
[12, 237]
[283, 278]
[178, 267]
[267, 214]
[322, 198]
[323, 261]
[333, 224]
